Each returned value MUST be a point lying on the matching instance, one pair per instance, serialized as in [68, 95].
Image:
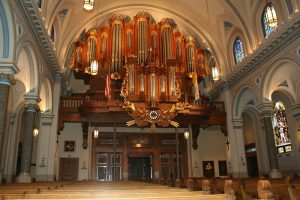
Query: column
[232, 157]
[266, 111]
[238, 147]
[29, 124]
[53, 169]
[6, 81]
[125, 158]
[44, 136]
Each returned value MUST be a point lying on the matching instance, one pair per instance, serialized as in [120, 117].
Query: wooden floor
[118, 190]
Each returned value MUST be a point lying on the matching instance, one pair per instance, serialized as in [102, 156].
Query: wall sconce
[35, 132]
[186, 134]
[96, 133]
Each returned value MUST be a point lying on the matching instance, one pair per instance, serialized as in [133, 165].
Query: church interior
[185, 99]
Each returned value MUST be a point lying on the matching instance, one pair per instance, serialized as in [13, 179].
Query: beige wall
[211, 146]
[73, 131]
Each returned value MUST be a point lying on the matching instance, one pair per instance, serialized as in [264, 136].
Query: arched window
[265, 26]
[280, 128]
[238, 50]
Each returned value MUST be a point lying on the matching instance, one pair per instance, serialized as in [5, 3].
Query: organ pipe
[151, 46]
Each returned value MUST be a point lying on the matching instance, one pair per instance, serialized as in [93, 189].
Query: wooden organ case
[154, 71]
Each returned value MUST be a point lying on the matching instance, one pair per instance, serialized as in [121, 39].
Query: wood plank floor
[127, 190]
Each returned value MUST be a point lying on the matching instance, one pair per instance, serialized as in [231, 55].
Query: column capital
[266, 108]
[7, 79]
[46, 119]
[32, 100]
[237, 123]
[8, 68]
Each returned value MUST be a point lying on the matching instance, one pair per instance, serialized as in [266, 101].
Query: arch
[45, 95]
[28, 65]
[245, 98]
[278, 78]
[7, 33]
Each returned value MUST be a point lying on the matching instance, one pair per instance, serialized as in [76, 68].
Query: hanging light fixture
[215, 70]
[94, 67]
[35, 132]
[271, 16]
[186, 134]
[88, 5]
[215, 73]
[96, 133]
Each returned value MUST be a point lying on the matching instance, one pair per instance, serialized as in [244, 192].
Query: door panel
[68, 169]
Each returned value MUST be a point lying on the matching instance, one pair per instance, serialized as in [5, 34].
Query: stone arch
[258, 138]
[245, 98]
[7, 33]
[28, 65]
[45, 95]
[283, 75]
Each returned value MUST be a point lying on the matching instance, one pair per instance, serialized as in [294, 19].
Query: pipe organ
[152, 60]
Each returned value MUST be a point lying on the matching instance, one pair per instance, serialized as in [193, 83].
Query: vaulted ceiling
[209, 21]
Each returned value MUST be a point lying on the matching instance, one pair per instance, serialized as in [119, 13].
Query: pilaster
[266, 109]
[44, 160]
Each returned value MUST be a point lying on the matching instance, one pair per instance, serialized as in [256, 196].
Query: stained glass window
[280, 128]
[265, 26]
[238, 50]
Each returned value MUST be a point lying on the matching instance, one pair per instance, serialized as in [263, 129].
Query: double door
[105, 167]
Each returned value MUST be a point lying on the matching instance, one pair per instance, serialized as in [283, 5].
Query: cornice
[284, 36]
[36, 26]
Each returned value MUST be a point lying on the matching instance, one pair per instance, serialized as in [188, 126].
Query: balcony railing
[73, 102]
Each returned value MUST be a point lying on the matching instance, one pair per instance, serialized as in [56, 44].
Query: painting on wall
[222, 168]
[69, 146]
[208, 169]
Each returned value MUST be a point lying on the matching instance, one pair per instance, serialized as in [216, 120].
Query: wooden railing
[71, 102]
[76, 100]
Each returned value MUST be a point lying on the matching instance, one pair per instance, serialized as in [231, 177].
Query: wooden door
[68, 169]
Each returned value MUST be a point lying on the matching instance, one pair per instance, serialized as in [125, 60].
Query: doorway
[68, 169]
[139, 168]
[252, 166]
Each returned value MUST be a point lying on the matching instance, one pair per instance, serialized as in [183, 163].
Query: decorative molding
[36, 25]
[7, 79]
[46, 119]
[284, 36]
[31, 102]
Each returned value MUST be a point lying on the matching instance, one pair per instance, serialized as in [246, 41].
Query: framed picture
[208, 169]
[69, 146]
[222, 168]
